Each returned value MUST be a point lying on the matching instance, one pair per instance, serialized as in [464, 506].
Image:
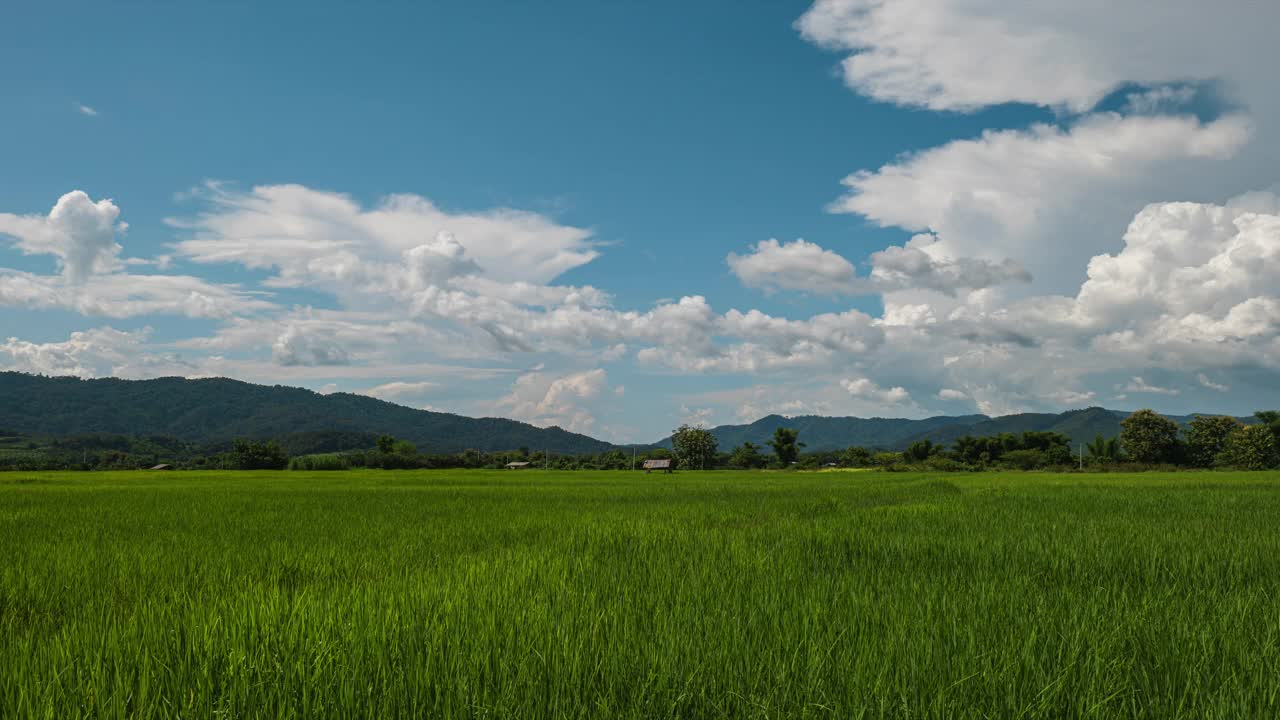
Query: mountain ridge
[214, 410]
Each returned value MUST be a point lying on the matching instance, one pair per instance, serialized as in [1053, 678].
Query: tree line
[1146, 440]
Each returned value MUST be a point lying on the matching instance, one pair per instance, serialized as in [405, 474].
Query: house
[660, 464]
[162, 466]
[517, 465]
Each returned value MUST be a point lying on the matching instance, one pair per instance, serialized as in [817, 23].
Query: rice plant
[468, 594]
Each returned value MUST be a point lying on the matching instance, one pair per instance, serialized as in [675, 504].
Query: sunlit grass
[591, 595]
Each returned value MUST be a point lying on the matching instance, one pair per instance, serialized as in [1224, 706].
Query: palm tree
[1104, 450]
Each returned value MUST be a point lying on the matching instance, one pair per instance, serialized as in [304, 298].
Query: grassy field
[597, 595]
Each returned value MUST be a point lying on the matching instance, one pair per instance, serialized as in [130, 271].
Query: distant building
[517, 465]
[663, 464]
[162, 466]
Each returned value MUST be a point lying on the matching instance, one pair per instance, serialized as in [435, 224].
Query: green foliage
[920, 451]
[785, 445]
[1149, 438]
[1025, 459]
[1038, 448]
[253, 455]
[694, 448]
[856, 457]
[747, 456]
[327, 462]
[1206, 438]
[1250, 447]
[1270, 418]
[1104, 451]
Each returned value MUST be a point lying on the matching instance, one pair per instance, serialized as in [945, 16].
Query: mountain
[836, 433]
[218, 410]
[831, 433]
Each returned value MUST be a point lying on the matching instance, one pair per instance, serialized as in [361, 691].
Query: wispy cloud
[86, 110]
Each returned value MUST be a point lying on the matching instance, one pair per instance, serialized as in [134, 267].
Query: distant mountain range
[218, 410]
[835, 433]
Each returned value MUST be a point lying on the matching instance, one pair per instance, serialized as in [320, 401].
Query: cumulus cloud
[564, 401]
[1216, 387]
[403, 393]
[1021, 195]
[797, 265]
[78, 231]
[967, 54]
[99, 352]
[81, 234]
[86, 110]
[806, 267]
[865, 389]
[327, 240]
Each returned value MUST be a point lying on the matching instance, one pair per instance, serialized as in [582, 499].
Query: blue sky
[643, 151]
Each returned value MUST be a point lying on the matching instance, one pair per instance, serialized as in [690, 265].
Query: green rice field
[531, 594]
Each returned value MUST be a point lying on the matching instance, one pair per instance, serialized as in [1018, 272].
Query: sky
[621, 217]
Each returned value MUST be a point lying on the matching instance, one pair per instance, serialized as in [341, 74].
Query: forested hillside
[218, 409]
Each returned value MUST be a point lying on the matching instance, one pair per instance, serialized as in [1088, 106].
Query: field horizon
[454, 593]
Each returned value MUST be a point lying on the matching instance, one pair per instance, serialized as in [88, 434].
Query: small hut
[663, 464]
[517, 465]
[161, 466]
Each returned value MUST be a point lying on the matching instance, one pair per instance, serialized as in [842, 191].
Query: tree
[1207, 438]
[1250, 447]
[386, 444]
[251, 455]
[856, 457]
[1270, 418]
[1104, 450]
[1148, 437]
[785, 446]
[694, 447]
[747, 456]
[921, 450]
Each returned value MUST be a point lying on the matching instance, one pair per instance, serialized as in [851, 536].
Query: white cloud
[78, 231]
[1045, 198]
[806, 267]
[952, 394]
[86, 110]
[797, 265]
[403, 393]
[1165, 98]
[1138, 385]
[123, 295]
[565, 401]
[696, 417]
[865, 389]
[329, 241]
[91, 353]
[967, 54]
[1217, 387]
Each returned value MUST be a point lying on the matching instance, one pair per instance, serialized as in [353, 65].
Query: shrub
[1024, 459]
[326, 461]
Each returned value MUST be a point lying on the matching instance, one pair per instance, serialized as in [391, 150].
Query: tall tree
[785, 445]
[695, 448]
[747, 456]
[1270, 418]
[1207, 437]
[1148, 437]
[1251, 447]
[1104, 450]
